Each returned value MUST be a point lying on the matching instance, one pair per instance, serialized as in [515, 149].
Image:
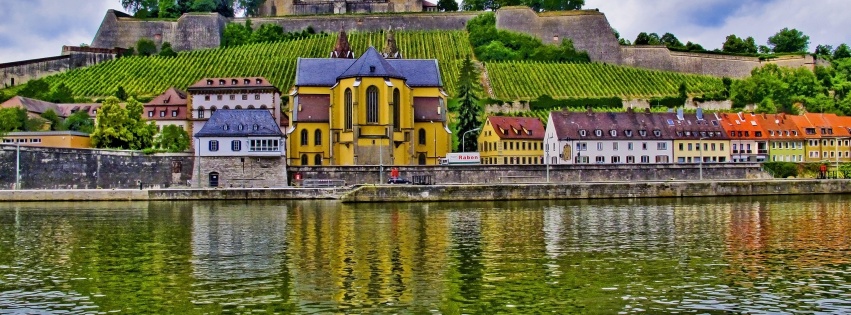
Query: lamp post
[700, 148]
[464, 135]
[18, 165]
[547, 156]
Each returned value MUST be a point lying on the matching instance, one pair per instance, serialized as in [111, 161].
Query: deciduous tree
[842, 52]
[734, 44]
[173, 139]
[447, 5]
[789, 40]
[79, 121]
[146, 47]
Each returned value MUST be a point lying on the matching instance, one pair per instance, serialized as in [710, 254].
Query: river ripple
[770, 255]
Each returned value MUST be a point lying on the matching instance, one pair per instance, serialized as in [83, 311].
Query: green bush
[781, 169]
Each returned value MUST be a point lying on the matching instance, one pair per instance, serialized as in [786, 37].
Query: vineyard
[274, 61]
[148, 76]
[528, 80]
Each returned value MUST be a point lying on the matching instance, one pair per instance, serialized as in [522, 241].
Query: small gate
[214, 179]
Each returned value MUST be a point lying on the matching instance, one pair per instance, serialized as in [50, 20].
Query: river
[754, 255]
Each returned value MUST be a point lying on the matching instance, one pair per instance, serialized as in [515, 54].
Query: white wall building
[212, 94]
[606, 138]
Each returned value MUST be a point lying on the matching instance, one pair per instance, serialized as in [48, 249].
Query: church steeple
[342, 48]
[390, 49]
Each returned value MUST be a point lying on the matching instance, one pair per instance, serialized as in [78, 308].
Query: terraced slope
[275, 61]
[528, 80]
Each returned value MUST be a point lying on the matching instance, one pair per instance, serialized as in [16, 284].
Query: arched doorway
[421, 159]
[214, 179]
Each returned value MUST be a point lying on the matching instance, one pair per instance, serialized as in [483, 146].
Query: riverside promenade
[469, 192]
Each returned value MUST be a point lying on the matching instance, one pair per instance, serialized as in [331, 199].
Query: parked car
[399, 180]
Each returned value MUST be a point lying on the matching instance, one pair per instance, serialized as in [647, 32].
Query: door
[214, 179]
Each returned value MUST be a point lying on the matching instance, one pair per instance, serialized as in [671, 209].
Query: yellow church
[377, 109]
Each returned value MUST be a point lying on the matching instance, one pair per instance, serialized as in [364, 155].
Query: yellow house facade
[49, 139]
[511, 140]
[368, 111]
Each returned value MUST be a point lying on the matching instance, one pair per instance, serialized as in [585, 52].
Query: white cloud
[708, 22]
[32, 29]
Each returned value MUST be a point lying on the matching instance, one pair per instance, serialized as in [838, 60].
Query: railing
[319, 183]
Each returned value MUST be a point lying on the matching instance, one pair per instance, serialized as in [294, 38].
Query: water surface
[755, 255]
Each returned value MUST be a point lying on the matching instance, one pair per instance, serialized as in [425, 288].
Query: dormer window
[221, 82]
[226, 127]
[256, 127]
[771, 133]
[209, 82]
[233, 82]
[613, 132]
[703, 133]
[598, 133]
[582, 132]
[628, 133]
[371, 69]
[246, 81]
[679, 133]
[642, 133]
[259, 81]
[241, 127]
[688, 133]
[657, 133]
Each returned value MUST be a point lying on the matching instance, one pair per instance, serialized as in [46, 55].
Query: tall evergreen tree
[468, 109]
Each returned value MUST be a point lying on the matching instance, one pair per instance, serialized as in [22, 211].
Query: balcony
[762, 151]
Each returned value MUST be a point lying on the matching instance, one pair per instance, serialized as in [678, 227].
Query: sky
[32, 29]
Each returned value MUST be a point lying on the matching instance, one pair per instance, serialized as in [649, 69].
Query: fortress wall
[333, 23]
[189, 32]
[20, 72]
[589, 30]
[661, 58]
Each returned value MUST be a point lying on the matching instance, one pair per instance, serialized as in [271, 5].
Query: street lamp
[18, 165]
[700, 148]
[465, 135]
[547, 156]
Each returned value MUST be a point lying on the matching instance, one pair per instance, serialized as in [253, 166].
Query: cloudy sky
[38, 28]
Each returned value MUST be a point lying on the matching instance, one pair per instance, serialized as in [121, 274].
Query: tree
[671, 41]
[79, 121]
[252, 7]
[120, 93]
[647, 39]
[167, 51]
[823, 51]
[37, 89]
[141, 130]
[693, 47]
[10, 120]
[173, 139]
[61, 94]
[766, 106]
[734, 44]
[267, 33]
[843, 51]
[54, 120]
[560, 5]
[236, 34]
[787, 40]
[447, 5]
[111, 130]
[146, 47]
[469, 111]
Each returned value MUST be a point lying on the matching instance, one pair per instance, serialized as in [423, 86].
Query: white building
[212, 94]
[240, 148]
[606, 138]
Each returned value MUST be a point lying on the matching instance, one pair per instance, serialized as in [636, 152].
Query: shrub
[781, 169]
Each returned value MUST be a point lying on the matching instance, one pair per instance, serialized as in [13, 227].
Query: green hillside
[277, 61]
[528, 80]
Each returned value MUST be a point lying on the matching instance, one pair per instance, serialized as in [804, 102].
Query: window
[630, 159]
[681, 146]
[8, 141]
[581, 146]
[722, 146]
[582, 132]
[304, 137]
[661, 146]
[221, 82]
[317, 160]
[150, 113]
[396, 106]
[645, 159]
[206, 97]
[256, 127]
[200, 112]
[257, 96]
[642, 133]
[259, 81]
[661, 159]
[241, 127]
[219, 97]
[599, 146]
[244, 97]
[657, 133]
[304, 159]
[372, 105]
[348, 103]
[264, 145]
[421, 137]
[713, 147]
[598, 132]
[600, 159]
[214, 145]
[317, 137]
[644, 145]
[613, 132]
[232, 97]
[236, 145]
[614, 146]
[629, 146]
[628, 133]
[246, 81]
[162, 113]
[212, 110]
[691, 146]
[174, 113]
[616, 159]
[209, 82]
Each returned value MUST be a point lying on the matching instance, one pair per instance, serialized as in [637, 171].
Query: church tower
[391, 51]
[342, 49]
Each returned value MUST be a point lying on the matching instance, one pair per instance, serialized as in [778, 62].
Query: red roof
[743, 126]
[779, 126]
[228, 83]
[517, 127]
[171, 96]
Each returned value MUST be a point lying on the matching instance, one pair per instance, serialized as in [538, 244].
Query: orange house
[748, 139]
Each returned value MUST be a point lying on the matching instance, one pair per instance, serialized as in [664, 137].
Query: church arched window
[372, 105]
[396, 106]
[348, 103]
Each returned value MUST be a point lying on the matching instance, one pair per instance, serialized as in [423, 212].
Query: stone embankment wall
[489, 174]
[19, 72]
[241, 172]
[597, 190]
[51, 168]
